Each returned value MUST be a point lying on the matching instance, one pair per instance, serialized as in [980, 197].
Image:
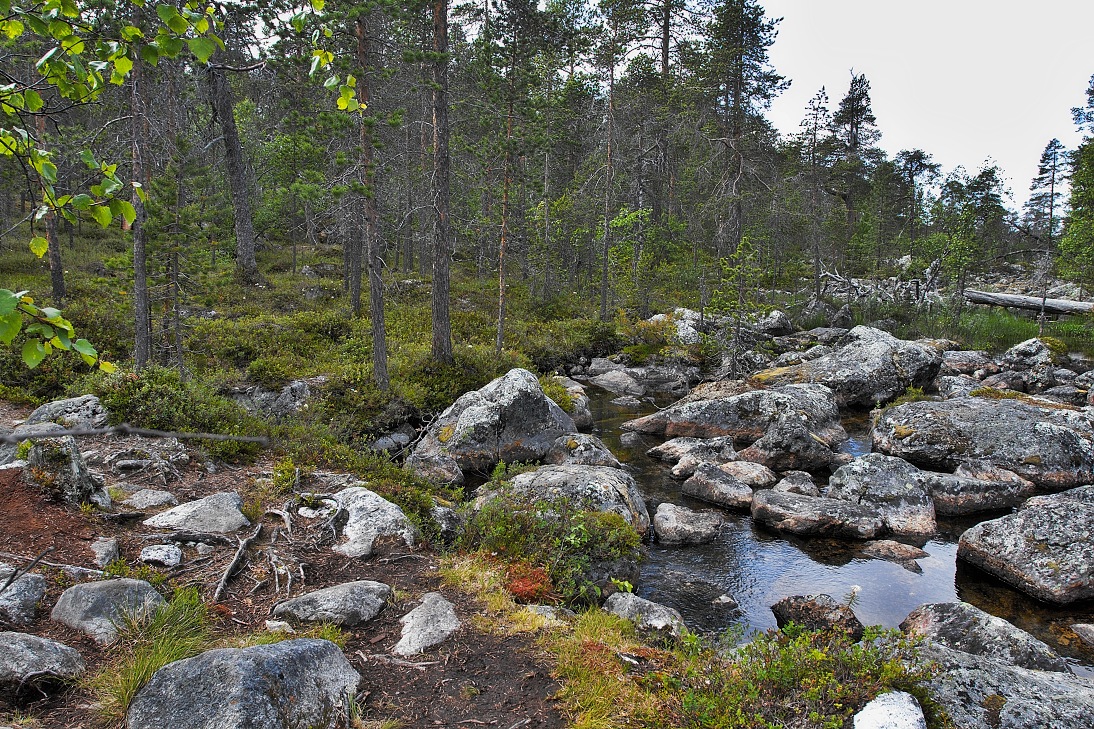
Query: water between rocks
[757, 567]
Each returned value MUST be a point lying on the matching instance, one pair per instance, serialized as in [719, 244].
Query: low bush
[560, 537]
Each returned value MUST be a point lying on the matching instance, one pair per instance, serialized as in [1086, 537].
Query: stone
[774, 324]
[619, 382]
[797, 482]
[678, 525]
[891, 710]
[580, 411]
[745, 416]
[579, 449]
[56, 465]
[966, 362]
[509, 419]
[627, 401]
[817, 612]
[370, 517]
[8, 450]
[165, 555]
[1085, 631]
[348, 604]
[1029, 354]
[815, 517]
[756, 475]
[150, 499]
[977, 692]
[1045, 549]
[705, 449]
[789, 445]
[600, 365]
[294, 683]
[893, 487]
[95, 608]
[19, 600]
[976, 486]
[219, 514]
[967, 628]
[105, 550]
[870, 367]
[648, 617]
[1049, 446]
[84, 412]
[950, 387]
[667, 379]
[599, 487]
[715, 486]
[427, 625]
[903, 554]
[30, 665]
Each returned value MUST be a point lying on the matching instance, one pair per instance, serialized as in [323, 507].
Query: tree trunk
[142, 343]
[1030, 303]
[220, 96]
[503, 244]
[56, 266]
[609, 179]
[442, 244]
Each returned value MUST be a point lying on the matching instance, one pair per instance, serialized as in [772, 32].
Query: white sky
[965, 80]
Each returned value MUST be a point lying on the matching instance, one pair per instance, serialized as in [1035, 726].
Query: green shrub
[556, 535]
[158, 398]
[554, 389]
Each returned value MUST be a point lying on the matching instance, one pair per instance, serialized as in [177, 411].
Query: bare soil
[477, 678]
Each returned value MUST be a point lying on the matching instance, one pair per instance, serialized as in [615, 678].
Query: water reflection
[757, 568]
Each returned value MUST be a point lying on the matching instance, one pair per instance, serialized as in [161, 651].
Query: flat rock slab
[817, 612]
[978, 692]
[1051, 446]
[815, 516]
[294, 683]
[96, 607]
[370, 517]
[969, 629]
[711, 484]
[28, 662]
[755, 475]
[348, 604]
[619, 383]
[579, 449]
[150, 499]
[894, 488]
[648, 616]
[714, 450]
[19, 601]
[891, 710]
[427, 625]
[105, 550]
[165, 555]
[903, 554]
[1045, 549]
[219, 513]
[678, 525]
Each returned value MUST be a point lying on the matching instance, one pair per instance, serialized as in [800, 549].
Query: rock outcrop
[894, 488]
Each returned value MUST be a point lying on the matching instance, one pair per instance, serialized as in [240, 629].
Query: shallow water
[757, 567]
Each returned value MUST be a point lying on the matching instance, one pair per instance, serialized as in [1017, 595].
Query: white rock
[427, 625]
[893, 710]
[167, 555]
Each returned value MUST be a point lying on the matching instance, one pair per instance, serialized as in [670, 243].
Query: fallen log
[1031, 303]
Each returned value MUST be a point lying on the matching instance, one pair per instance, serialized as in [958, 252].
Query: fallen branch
[1030, 303]
[285, 518]
[17, 572]
[243, 544]
[65, 567]
[202, 537]
[391, 661]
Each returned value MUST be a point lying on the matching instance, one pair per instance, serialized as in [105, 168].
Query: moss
[1055, 345]
[553, 388]
[903, 431]
[446, 432]
[780, 376]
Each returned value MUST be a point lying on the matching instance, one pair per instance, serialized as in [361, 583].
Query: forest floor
[483, 676]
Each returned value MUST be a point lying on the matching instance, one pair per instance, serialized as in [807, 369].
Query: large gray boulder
[978, 692]
[790, 445]
[716, 450]
[287, 685]
[348, 604]
[597, 487]
[579, 411]
[580, 449]
[894, 488]
[369, 517]
[1045, 549]
[30, 665]
[510, 419]
[19, 601]
[746, 416]
[218, 513]
[619, 382]
[1050, 446]
[976, 487]
[967, 628]
[75, 412]
[679, 525]
[711, 484]
[870, 366]
[811, 516]
[56, 465]
[97, 608]
[649, 617]
[427, 625]
[8, 450]
[1029, 354]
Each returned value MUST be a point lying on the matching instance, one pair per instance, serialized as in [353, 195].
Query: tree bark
[56, 266]
[609, 181]
[503, 244]
[442, 243]
[220, 97]
[142, 342]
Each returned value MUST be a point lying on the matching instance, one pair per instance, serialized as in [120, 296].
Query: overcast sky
[965, 80]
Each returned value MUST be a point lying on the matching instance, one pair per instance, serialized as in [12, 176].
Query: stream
[757, 567]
